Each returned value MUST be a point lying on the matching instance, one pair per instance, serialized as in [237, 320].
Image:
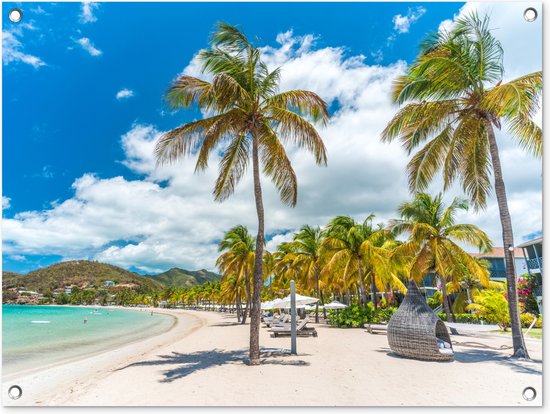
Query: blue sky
[78, 78]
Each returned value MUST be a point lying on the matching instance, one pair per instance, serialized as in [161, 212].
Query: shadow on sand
[181, 365]
[532, 366]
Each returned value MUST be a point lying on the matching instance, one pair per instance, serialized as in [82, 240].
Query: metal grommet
[530, 14]
[15, 392]
[15, 15]
[529, 394]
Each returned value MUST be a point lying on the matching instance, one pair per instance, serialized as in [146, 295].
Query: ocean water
[37, 336]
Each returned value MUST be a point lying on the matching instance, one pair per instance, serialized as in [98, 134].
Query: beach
[201, 361]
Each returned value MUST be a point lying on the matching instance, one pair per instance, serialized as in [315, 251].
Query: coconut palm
[354, 251]
[457, 98]
[249, 118]
[434, 239]
[238, 261]
[307, 260]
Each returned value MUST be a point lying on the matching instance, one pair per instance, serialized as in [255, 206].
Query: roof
[498, 252]
[531, 242]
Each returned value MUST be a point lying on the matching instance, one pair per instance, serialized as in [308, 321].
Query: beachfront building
[108, 283]
[532, 253]
[498, 265]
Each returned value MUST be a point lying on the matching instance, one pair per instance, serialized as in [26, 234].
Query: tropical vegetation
[455, 98]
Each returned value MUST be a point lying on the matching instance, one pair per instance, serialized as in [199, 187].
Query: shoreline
[202, 362]
[128, 338]
[53, 381]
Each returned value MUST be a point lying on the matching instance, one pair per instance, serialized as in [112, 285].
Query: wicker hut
[415, 331]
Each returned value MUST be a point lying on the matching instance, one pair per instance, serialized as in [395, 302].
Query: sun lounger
[301, 330]
[276, 321]
[374, 328]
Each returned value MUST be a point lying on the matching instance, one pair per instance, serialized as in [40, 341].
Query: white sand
[200, 362]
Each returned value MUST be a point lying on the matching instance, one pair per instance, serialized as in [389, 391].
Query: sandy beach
[201, 361]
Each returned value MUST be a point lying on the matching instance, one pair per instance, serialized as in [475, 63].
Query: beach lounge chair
[416, 332]
[301, 329]
[277, 322]
[374, 328]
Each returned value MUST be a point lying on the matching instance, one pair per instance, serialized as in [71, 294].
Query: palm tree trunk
[373, 292]
[255, 314]
[363, 290]
[248, 298]
[520, 350]
[238, 306]
[318, 296]
[324, 310]
[445, 299]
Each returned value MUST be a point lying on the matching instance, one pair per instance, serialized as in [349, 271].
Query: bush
[383, 315]
[526, 319]
[464, 318]
[526, 293]
[354, 316]
[538, 323]
[433, 302]
[492, 306]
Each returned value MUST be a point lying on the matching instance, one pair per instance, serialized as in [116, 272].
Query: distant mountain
[81, 273]
[181, 278]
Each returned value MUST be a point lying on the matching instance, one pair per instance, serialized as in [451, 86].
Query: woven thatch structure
[415, 331]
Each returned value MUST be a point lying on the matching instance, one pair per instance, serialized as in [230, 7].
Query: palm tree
[433, 241]
[238, 261]
[251, 118]
[307, 249]
[353, 251]
[457, 98]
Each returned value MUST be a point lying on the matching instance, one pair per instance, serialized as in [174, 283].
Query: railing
[535, 263]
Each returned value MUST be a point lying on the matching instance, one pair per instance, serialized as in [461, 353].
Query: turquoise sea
[36, 336]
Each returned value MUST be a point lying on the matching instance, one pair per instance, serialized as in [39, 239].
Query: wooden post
[293, 318]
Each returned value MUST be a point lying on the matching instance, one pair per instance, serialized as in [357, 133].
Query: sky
[83, 87]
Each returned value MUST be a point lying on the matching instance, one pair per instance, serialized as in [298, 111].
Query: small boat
[40, 321]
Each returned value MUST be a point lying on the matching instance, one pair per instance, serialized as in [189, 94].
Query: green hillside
[81, 273]
[181, 278]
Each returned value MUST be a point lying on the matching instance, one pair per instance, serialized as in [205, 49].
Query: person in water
[85, 320]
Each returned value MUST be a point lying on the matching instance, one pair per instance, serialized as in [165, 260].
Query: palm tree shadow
[533, 366]
[181, 365]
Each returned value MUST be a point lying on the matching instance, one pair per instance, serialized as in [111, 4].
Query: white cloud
[6, 202]
[87, 12]
[124, 94]
[88, 46]
[168, 218]
[12, 49]
[402, 24]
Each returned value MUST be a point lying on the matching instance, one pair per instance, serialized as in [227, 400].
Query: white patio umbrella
[335, 305]
[301, 301]
[267, 305]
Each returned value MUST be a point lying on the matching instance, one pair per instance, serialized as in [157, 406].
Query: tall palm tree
[433, 240]
[307, 248]
[456, 99]
[238, 261]
[353, 252]
[250, 119]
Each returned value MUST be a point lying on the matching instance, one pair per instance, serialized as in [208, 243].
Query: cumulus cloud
[88, 46]
[6, 202]
[13, 48]
[402, 24]
[168, 216]
[124, 94]
[87, 12]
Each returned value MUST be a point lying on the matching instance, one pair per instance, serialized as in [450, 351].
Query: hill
[181, 278]
[81, 273]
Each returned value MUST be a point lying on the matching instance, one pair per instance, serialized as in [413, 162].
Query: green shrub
[383, 315]
[433, 303]
[354, 316]
[538, 323]
[526, 319]
[464, 318]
